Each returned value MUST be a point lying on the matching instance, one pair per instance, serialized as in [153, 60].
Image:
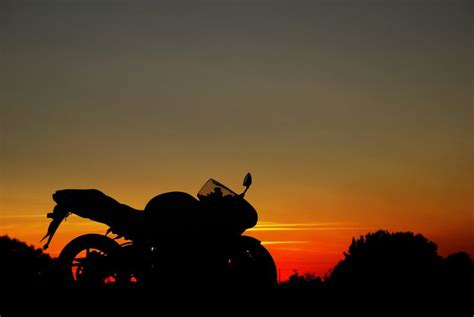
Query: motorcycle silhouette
[176, 240]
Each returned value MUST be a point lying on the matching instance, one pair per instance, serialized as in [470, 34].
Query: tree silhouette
[383, 260]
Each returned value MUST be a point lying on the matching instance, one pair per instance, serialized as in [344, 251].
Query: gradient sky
[351, 115]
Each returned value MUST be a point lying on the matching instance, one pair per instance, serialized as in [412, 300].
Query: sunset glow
[351, 118]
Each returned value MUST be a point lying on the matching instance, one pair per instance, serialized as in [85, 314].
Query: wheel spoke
[79, 259]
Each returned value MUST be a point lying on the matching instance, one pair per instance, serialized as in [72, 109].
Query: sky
[352, 116]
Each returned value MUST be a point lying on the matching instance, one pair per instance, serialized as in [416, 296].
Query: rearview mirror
[247, 182]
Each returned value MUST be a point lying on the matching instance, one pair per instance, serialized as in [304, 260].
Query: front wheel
[250, 264]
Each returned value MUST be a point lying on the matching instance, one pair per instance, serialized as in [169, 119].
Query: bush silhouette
[23, 266]
[306, 281]
[458, 273]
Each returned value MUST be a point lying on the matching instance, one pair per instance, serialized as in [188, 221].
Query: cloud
[310, 224]
[284, 242]
[275, 226]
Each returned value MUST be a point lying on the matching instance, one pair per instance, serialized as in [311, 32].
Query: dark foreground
[382, 274]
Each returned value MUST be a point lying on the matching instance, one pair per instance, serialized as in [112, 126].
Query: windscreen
[214, 188]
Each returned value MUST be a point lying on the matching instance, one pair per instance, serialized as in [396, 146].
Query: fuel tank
[173, 212]
[179, 212]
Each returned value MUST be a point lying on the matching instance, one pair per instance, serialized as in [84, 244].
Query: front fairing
[229, 214]
[248, 216]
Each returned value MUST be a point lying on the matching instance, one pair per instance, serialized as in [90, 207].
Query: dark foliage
[306, 281]
[384, 260]
[376, 262]
[23, 266]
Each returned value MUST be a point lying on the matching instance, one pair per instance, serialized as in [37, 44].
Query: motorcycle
[176, 240]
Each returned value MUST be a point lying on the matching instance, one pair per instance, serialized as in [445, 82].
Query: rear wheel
[86, 261]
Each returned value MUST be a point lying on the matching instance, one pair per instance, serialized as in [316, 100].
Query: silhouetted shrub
[306, 281]
[458, 273]
[23, 266]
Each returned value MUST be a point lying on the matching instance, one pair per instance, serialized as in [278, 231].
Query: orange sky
[351, 117]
